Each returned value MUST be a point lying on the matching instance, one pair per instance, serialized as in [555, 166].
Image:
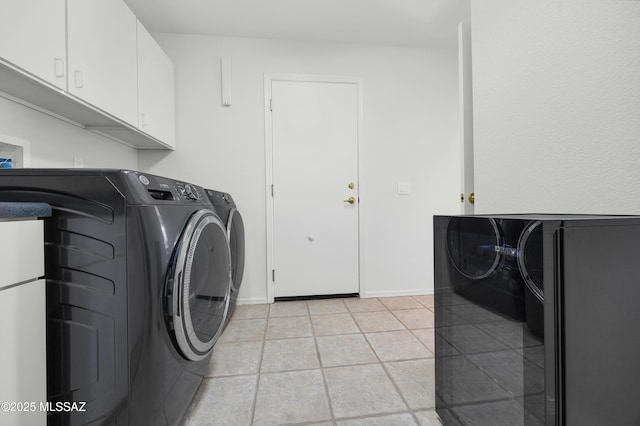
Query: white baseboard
[394, 293]
[366, 295]
[254, 301]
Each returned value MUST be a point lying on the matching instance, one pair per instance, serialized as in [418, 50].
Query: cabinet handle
[58, 66]
[79, 79]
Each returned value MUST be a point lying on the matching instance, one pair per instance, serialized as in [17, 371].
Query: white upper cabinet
[89, 62]
[155, 89]
[32, 38]
[102, 62]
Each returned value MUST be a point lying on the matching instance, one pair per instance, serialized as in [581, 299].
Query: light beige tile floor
[330, 362]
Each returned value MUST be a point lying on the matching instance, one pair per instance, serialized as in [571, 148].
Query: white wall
[410, 107]
[54, 142]
[556, 106]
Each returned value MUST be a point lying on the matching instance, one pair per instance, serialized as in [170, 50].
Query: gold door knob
[472, 197]
[350, 200]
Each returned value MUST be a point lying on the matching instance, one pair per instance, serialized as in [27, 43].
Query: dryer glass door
[530, 258]
[235, 231]
[200, 285]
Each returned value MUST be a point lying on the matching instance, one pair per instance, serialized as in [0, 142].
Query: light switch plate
[404, 188]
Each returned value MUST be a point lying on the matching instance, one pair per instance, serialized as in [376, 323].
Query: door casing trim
[268, 137]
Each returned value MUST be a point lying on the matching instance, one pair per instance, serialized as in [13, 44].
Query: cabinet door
[23, 362]
[32, 37]
[22, 256]
[155, 89]
[102, 56]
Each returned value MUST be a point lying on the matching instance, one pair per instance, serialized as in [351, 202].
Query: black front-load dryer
[531, 267]
[137, 272]
[226, 208]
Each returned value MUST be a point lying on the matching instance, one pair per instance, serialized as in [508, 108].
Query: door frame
[268, 137]
[465, 117]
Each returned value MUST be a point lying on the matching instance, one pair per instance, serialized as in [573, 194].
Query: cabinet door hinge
[271, 104]
[273, 275]
[271, 190]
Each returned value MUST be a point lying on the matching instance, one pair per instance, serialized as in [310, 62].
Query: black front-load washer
[484, 254]
[137, 273]
[226, 208]
[497, 263]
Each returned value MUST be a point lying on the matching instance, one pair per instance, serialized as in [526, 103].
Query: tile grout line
[386, 371]
[332, 418]
[259, 372]
[410, 411]
[380, 361]
[321, 366]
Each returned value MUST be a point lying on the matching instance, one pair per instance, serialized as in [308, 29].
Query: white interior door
[315, 169]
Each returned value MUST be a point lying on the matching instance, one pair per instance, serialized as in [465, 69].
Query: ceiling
[409, 23]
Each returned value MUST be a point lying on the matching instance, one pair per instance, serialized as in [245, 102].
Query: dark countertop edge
[19, 210]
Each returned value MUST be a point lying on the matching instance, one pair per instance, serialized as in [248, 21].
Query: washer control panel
[165, 189]
[188, 192]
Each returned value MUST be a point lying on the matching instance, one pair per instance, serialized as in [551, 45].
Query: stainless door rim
[495, 262]
[188, 341]
[522, 242]
[232, 214]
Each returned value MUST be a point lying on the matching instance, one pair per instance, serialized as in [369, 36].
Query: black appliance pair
[536, 319]
[138, 273]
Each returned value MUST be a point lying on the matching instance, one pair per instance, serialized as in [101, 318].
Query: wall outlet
[78, 162]
[404, 188]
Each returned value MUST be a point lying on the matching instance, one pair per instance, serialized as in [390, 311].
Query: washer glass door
[200, 285]
[472, 244]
